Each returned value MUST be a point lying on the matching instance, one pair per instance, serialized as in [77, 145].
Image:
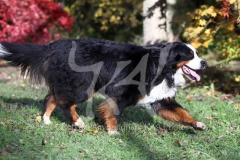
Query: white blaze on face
[195, 63]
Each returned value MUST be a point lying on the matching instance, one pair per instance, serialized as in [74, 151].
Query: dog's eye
[190, 55]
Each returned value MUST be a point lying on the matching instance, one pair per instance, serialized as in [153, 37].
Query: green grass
[22, 136]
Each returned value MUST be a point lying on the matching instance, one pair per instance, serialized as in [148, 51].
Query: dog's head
[185, 59]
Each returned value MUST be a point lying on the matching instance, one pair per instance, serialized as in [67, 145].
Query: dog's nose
[203, 64]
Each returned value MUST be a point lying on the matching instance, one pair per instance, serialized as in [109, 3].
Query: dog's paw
[79, 123]
[200, 126]
[113, 132]
[46, 120]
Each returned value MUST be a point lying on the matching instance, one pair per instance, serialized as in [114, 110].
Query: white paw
[113, 132]
[200, 126]
[46, 120]
[79, 123]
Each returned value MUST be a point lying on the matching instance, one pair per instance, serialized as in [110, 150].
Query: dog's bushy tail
[29, 57]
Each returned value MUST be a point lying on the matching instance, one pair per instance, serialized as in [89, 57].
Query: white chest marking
[162, 90]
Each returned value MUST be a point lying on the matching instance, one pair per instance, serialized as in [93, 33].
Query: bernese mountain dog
[126, 74]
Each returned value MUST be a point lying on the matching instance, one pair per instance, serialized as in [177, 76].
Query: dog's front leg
[169, 109]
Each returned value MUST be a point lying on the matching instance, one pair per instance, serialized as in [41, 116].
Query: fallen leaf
[89, 130]
[189, 98]
[209, 93]
[60, 147]
[38, 119]
[213, 128]
[81, 155]
[161, 130]
[180, 143]
[5, 152]
[95, 131]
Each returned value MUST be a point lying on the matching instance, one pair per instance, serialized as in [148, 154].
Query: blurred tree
[206, 24]
[157, 25]
[32, 20]
[119, 20]
[154, 24]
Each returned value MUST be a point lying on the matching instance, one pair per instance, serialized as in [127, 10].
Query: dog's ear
[176, 52]
[178, 57]
[182, 53]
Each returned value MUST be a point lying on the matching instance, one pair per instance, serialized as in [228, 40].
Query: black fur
[50, 62]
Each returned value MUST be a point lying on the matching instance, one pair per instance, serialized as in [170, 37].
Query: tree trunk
[157, 22]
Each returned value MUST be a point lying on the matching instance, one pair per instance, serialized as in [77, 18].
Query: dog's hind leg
[77, 121]
[108, 111]
[169, 109]
[49, 105]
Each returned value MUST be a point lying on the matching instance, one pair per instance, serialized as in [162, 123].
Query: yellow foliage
[207, 31]
[101, 5]
[108, 14]
[237, 79]
[202, 22]
[205, 44]
[196, 44]
[230, 27]
[98, 13]
[199, 29]
[208, 28]
[213, 14]
[104, 22]
[113, 19]
[67, 9]
[104, 28]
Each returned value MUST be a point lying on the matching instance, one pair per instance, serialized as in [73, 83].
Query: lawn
[24, 136]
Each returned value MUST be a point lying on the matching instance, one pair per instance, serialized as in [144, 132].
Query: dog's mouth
[190, 73]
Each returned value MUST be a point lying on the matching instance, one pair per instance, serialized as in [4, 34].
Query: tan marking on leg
[73, 113]
[178, 115]
[106, 112]
[50, 106]
[77, 121]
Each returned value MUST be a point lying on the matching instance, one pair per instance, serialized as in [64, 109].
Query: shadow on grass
[133, 114]
[28, 102]
[138, 115]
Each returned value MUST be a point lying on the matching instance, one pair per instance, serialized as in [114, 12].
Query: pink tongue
[193, 73]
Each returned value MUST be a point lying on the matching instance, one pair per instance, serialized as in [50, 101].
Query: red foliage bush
[32, 20]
